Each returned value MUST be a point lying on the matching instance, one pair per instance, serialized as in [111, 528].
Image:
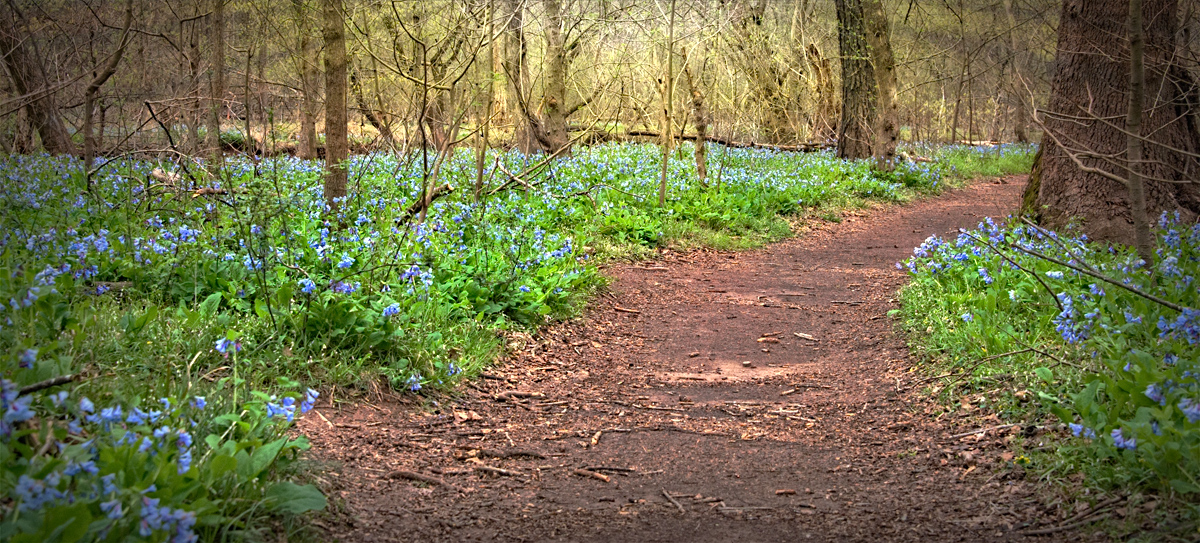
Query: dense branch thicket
[420, 71]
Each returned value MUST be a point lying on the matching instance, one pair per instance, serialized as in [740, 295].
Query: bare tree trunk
[216, 104]
[1020, 116]
[1088, 91]
[336, 142]
[887, 125]
[668, 100]
[858, 83]
[309, 58]
[553, 133]
[518, 76]
[700, 118]
[486, 121]
[1133, 127]
[24, 64]
[825, 118]
[371, 115]
[93, 88]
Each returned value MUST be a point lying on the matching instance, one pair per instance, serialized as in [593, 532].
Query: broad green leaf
[293, 498]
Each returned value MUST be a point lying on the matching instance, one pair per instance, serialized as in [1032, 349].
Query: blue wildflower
[1122, 442]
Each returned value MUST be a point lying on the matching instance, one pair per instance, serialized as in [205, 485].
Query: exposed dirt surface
[755, 396]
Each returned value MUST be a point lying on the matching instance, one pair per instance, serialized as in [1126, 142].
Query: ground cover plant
[156, 334]
[1095, 337]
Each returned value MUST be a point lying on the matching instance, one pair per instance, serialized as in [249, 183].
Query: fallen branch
[981, 431]
[428, 479]
[509, 395]
[41, 385]
[624, 310]
[806, 147]
[592, 474]
[674, 501]
[419, 205]
[499, 471]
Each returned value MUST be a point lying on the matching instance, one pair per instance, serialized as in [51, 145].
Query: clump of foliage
[1108, 341]
[199, 290]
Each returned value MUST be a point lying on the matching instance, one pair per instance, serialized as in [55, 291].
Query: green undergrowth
[1098, 349]
[194, 315]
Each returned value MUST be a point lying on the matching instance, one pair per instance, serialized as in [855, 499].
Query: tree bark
[553, 130]
[887, 121]
[700, 120]
[858, 83]
[1133, 129]
[216, 104]
[515, 67]
[1016, 96]
[309, 59]
[1089, 90]
[336, 142]
[93, 88]
[24, 63]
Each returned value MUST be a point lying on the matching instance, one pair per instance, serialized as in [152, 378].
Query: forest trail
[754, 396]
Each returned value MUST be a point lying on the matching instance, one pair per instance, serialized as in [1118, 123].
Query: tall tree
[309, 84]
[93, 88]
[25, 69]
[216, 97]
[336, 142]
[887, 121]
[1082, 168]
[858, 83]
[1016, 96]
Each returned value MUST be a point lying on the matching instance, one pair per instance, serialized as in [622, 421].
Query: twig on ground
[674, 501]
[981, 431]
[592, 474]
[428, 479]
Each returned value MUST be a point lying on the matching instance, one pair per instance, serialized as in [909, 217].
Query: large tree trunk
[216, 104]
[336, 143]
[887, 121]
[309, 83]
[24, 65]
[553, 130]
[1089, 94]
[858, 83]
[516, 49]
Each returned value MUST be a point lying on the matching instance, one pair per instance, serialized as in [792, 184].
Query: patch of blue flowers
[1140, 396]
[115, 472]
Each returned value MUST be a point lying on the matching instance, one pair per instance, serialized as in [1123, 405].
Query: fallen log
[806, 147]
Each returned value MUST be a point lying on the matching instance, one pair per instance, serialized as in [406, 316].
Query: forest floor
[707, 396]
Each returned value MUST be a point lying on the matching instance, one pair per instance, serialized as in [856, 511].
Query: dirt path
[764, 391]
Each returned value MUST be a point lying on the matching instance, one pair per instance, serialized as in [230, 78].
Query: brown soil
[766, 392]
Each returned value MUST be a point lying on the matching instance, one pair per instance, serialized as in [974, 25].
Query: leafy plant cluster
[1109, 342]
[162, 296]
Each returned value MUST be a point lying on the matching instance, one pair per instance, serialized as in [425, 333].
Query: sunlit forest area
[599, 270]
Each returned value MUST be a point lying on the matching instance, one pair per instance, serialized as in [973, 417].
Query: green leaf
[222, 464]
[292, 498]
[264, 456]
[72, 522]
[208, 307]
[1045, 374]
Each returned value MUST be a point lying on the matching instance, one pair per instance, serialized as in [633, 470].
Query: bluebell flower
[307, 286]
[310, 397]
[112, 509]
[199, 402]
[1054, 274]
[346, 261]
[967, 317]
[86, 406]
[414, 382]
[391, 310]
[1191, 409]
[1122, 442]
[28, 357]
